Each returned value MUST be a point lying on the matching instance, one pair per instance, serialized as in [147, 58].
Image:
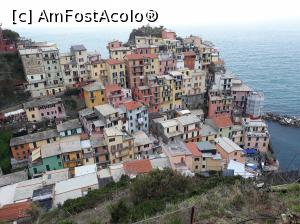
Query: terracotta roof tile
[193, 149]
[222, 121]
[112, 87]
[15, 211]
[114, 61]
[138, 166]
[132, 105]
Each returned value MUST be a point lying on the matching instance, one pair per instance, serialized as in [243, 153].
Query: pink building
[179, 155]
[114, 44]
[114, 95]
[219, 105]
[239, 92]
[168, 34]
[5, 45]
[44, 108]
[166, 63]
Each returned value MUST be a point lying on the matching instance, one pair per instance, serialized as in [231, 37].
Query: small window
[111, 139]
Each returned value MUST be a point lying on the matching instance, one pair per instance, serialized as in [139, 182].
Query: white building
[255, 104]
[74, 188]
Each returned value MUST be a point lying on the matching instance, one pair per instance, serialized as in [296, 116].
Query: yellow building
[116, 72]
[148, 40]
[166, 93]
[71, 152]
[120, 145]
[151, 64]
[119, 52]
[177, 87]
[93, 94]
[98, 72]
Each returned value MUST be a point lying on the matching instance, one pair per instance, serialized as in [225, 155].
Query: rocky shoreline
[286, 120]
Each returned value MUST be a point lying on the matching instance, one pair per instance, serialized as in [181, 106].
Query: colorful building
[223, 125]
[168, 34]
[229, 150]
[138, 66]
[116, 72]
[256, 134]
[22, 146]
[45, 158]
[93, 94]
[44, 109]
[114, 95]
[137, 116]
[190, 125]
[72, 155]
[97, 71]
[119, 144]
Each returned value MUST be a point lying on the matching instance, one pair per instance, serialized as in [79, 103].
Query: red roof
[15, 211]
[193, 149]
[112, 87]
[138, 166]
[132, 105]
[222, 121]
[114, 61]
[140, 56]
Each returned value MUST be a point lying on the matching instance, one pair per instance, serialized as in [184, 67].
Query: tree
[11, 35]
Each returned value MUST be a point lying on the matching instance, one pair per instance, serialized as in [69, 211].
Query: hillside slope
[11, 74]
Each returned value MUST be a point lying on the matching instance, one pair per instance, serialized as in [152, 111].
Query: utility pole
[192, 215]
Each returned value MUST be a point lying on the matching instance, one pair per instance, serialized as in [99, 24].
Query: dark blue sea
[265, 56]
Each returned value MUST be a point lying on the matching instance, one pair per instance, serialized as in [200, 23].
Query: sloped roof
[228, 145]
[78, 48]
[114, 61]
[76, 183]
[15, 211]
[41, 102]
[93, 87]
[193, 149]
[132, 105]
[33, 137]
[137, 166]
[68, 125]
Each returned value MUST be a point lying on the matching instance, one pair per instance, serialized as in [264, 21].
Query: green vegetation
[145, 31]
[11, 74]
[72, 92]
[11, 35]
[152, 193]
[4, 151]
[132, 200]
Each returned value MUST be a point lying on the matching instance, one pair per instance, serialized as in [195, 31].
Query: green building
[46, 158]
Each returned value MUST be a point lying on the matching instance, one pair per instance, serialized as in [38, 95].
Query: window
[47, 167]
[111, 139]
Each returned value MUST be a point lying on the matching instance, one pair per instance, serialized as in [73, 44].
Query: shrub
[119, 212]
